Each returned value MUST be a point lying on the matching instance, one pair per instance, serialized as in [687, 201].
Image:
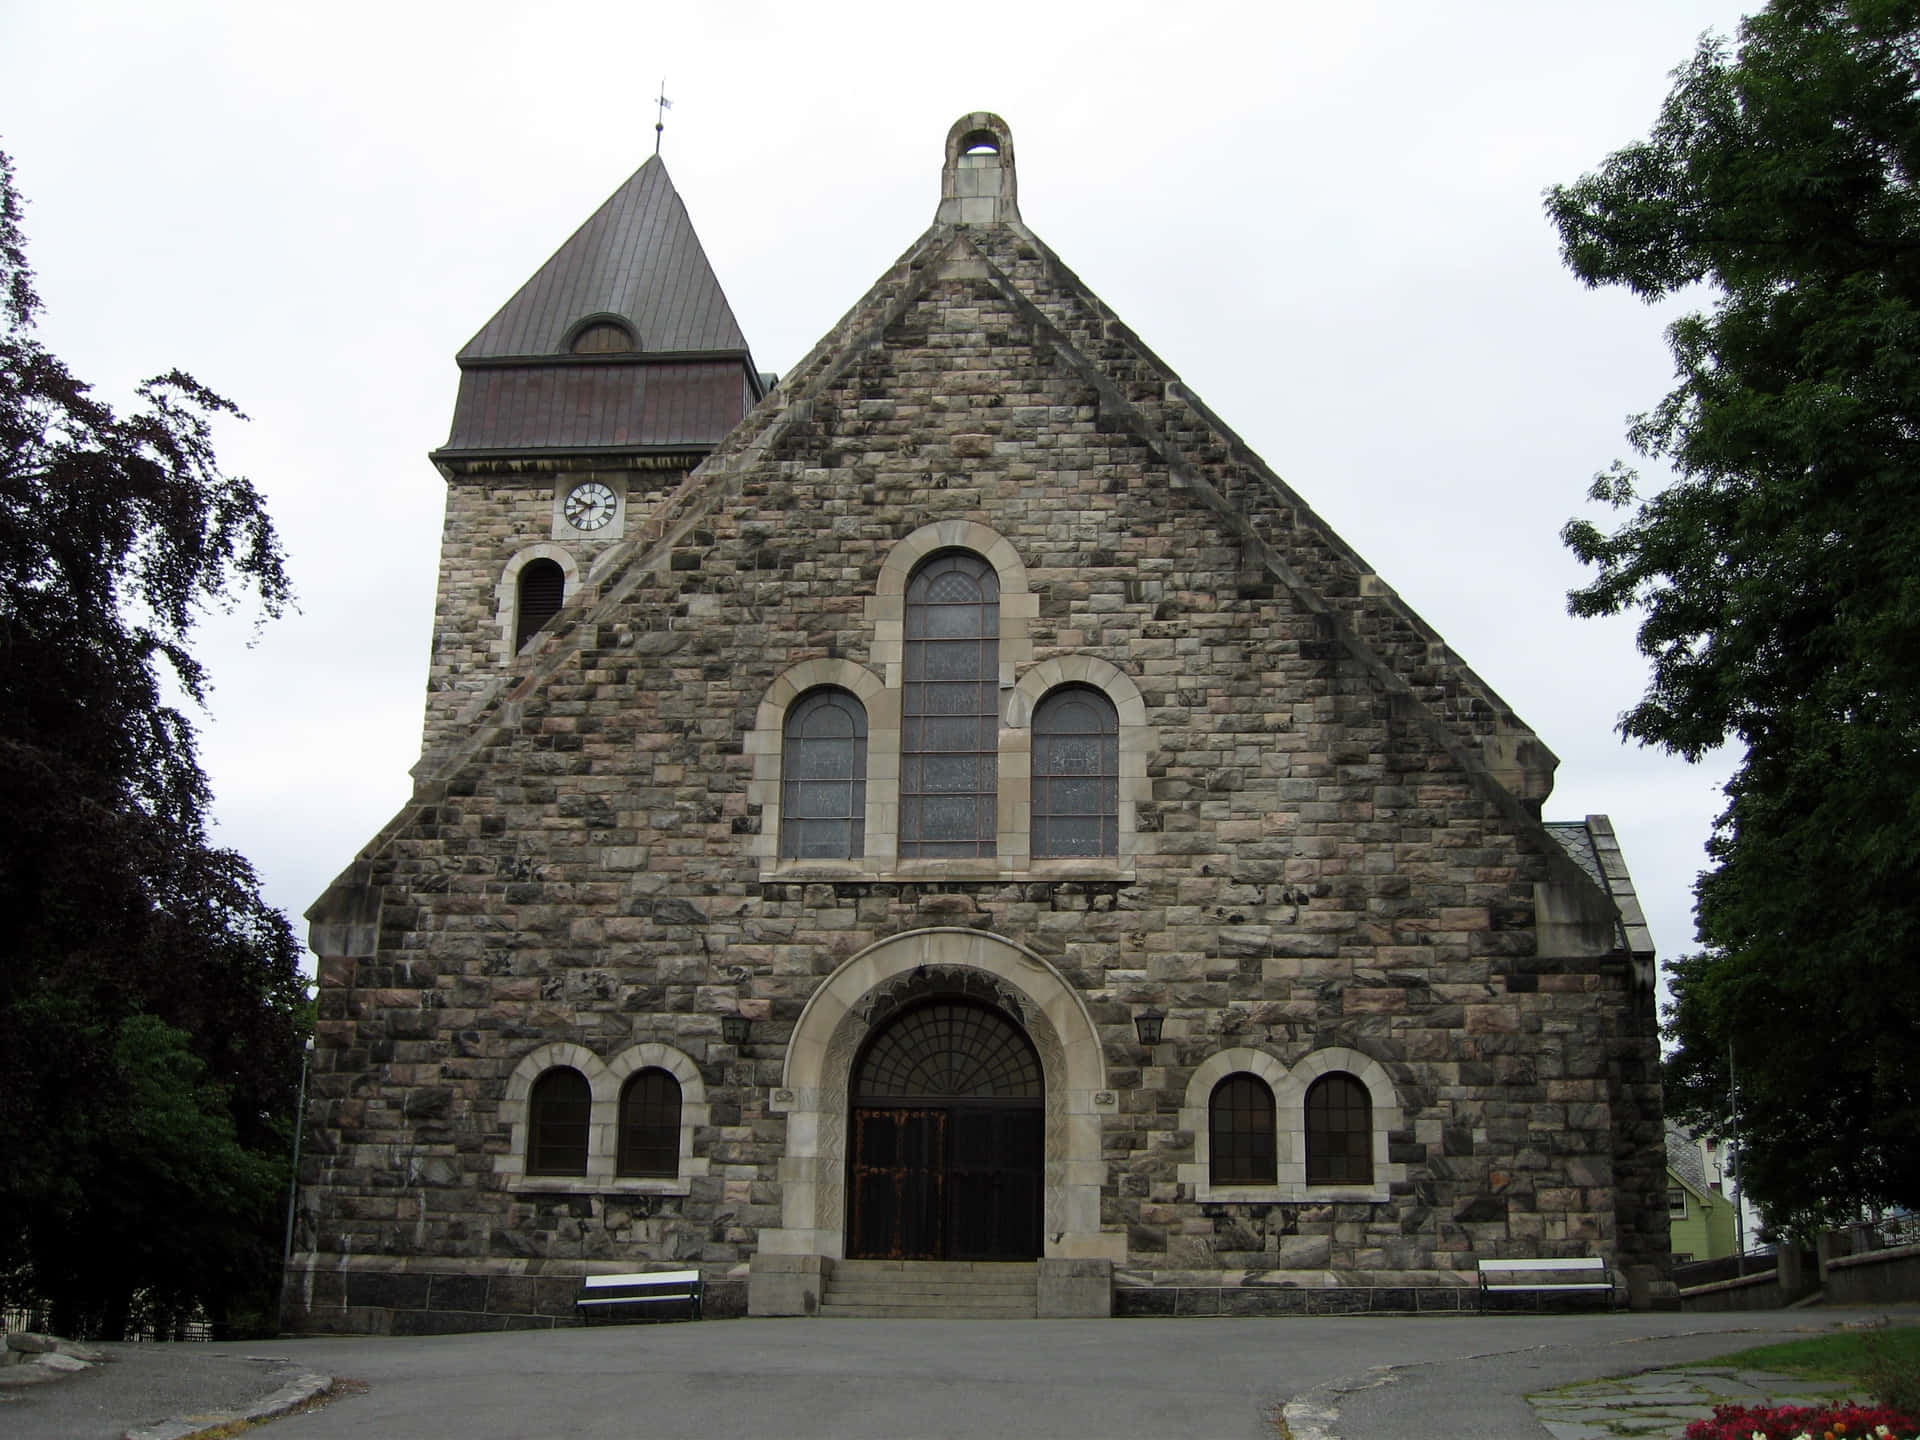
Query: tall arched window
[823, 778]
[1240, 1141]
[949, 708]
[649, 1125]
[559, 1115]
[1339, 1131]
[542, 588]
[1076, 774]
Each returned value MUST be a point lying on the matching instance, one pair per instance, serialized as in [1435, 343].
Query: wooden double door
[948, 1139]
[947, 1182]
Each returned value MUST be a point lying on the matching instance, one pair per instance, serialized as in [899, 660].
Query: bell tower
[585, 400]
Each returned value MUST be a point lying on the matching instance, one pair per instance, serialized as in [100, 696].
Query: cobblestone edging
[297, 1393]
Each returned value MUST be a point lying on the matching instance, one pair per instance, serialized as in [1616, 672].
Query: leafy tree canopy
[1778, 575]
[150, 1001]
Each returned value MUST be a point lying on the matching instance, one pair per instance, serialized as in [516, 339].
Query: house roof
[636, 258]
[1683, 1159]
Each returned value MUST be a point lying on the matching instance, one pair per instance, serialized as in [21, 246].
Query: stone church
[950, 831]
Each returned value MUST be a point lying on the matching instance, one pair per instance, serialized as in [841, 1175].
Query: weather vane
[660, 115]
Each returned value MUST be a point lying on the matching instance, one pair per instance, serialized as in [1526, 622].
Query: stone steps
[930, 1289]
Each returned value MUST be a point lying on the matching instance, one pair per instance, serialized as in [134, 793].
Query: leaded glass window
[950, 1049]
[559, 1112]
[949, 708]
[650, 1124]
[1240, 1138]
[1076, 774]
[823, 778]
[1339, 1132]
[542, 589]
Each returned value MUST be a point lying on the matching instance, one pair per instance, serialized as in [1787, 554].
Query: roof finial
[660, 114]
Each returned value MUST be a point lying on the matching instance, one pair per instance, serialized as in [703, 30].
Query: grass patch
[1847, 1357]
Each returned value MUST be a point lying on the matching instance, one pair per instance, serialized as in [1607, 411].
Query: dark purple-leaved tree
[151, 1007]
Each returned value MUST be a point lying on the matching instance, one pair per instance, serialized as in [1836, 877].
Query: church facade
[953, 805]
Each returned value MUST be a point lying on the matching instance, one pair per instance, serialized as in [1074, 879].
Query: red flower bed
[1792, 1422]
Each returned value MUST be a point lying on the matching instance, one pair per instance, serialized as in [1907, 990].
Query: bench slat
[601, 1293]
[1583, 1262]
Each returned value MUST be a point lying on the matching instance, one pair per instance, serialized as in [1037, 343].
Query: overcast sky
[1324, 216]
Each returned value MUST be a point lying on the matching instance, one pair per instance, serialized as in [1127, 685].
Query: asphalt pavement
[1356, 1378]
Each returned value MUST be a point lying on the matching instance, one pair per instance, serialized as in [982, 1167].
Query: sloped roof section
[1596, 849]
[637, 258]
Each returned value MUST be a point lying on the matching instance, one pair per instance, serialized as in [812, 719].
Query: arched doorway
[947, 1109]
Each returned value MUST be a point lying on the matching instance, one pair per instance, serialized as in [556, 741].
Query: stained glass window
[949, 708]
[1076, 774]
[823, 778]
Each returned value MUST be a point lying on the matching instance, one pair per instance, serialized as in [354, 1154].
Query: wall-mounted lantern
[1147, 1024]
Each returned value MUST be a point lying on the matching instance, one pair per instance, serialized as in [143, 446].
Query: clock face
[590, 506]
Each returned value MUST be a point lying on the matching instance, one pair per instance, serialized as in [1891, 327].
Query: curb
[301, 1391]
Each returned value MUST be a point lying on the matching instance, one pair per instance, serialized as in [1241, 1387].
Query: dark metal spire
[660, 114]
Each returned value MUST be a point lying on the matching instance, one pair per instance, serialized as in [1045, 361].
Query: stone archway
[827, 1039]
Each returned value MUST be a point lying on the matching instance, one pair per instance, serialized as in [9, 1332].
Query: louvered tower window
[949, 708]
[542, 588]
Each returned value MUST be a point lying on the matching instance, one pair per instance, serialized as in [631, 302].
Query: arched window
[1240, 1143]
[649, 1125]
[602, 337]
[559, 1115]
[1076, 774]
[542, 588]
[823, 778]
[949, 708]
[1339, 1131]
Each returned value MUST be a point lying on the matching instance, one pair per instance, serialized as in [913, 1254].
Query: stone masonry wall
[493, 513]
[1314, 870]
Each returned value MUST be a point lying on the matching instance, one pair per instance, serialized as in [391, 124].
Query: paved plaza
[1464, 1378]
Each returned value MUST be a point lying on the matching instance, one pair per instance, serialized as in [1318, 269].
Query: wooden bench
[1544, 1276]
[603, 1297]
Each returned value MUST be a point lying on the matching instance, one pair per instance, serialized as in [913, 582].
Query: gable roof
[636, 258]
[978, 235]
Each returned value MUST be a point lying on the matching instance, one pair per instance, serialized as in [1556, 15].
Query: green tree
[150, 1001]
[1778, 574]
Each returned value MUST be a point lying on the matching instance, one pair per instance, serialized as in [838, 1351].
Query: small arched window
[602, 337]
[1339, 1131]
[542, 588]
[559, 1115]
[949, 708]
[1240, 1138]
[1076, 774]
[823, 778]
[650, 1125]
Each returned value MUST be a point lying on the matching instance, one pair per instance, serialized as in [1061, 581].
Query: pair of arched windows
[559, 1124]
[950, 742]
[1241, 1142]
